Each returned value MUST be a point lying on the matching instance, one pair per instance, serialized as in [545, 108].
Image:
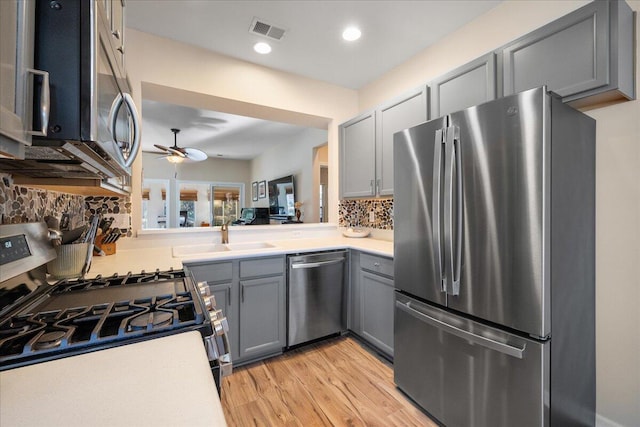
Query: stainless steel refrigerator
[494, 255]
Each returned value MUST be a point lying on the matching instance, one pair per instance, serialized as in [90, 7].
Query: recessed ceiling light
[262, 47]
[351, 34]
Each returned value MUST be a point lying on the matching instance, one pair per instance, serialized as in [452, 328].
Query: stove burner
[49, 340]
[154, 318]
[78, 315]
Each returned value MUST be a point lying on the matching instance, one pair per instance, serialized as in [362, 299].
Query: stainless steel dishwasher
[316, 296]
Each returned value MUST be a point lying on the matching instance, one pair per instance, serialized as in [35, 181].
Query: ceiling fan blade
[195, 155]
[171, 151]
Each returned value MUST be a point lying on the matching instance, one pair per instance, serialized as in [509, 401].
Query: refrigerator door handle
[509, 350]
[452, 219]
[435, 211]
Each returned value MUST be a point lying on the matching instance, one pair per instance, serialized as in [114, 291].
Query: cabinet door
[376, 310]
[468, 85]
[117, 32]
[357, 156]
[404, 112]
[223, 295]
[585, 52]
[353, 313]
[262, 316]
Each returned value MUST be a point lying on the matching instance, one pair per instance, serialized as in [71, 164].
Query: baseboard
[602, 421]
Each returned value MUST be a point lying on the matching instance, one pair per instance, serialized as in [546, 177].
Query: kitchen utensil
[55, 236]
[90, 238]
[73, 235]
[65, 220]
[105, 224]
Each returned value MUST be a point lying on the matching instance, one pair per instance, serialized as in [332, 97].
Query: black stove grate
[43, 332]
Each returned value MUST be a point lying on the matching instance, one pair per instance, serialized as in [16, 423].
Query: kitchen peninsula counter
[161, 257]
[141, 384]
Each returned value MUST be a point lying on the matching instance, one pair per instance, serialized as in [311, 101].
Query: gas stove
[41, 322]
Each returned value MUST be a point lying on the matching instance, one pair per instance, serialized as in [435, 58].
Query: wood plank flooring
[333, 383]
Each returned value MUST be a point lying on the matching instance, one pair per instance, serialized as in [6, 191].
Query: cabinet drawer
[261, 267]
[376, 264]
[212, 273]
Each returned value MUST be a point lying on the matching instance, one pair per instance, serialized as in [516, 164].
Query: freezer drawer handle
[316, 264]
[483, 341]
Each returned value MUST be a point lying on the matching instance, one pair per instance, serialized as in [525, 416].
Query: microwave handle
[126, 99]
[45, 103]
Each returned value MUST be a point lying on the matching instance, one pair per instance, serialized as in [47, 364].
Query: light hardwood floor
[333, 383]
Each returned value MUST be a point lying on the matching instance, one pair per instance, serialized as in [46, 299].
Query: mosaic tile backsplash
[106, 205]
[25, 204]
[355, 213]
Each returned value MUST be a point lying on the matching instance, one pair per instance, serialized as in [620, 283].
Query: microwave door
[118, 125]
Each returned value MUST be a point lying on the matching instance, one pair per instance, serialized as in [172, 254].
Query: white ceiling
[217, 134]
[392, 32]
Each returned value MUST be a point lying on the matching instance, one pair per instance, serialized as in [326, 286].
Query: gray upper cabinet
[357, 156]
[585, 53]
[401, 113]
[468, 85]
[113, 16]
[366, 144]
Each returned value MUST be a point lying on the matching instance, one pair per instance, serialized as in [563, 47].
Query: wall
[294, 157]
[617, 192]
[238, 87]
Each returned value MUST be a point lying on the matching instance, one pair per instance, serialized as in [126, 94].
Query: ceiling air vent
[262, 28]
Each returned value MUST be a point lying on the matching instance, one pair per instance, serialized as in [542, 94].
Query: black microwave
[87, 121]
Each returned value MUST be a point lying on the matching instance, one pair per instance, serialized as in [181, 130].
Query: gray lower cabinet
[585, 53]
[468, 85]
[251, 294]
[372, 300]
[262, 307]
[262, 317]
[377, 294]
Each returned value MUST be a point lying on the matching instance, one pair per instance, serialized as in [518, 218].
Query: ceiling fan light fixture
[177, 154]
[175, 159]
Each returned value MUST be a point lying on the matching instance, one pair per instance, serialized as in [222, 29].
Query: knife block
[107, 248]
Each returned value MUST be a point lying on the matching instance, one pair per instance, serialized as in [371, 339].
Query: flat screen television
[282, 196]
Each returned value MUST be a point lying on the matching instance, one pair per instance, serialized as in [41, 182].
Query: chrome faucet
[224, 229]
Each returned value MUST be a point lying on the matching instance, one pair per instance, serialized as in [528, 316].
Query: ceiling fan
[177, 154]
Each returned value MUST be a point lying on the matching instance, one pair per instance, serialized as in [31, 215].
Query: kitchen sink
[189, 250]
[212, 248]
[249, 246]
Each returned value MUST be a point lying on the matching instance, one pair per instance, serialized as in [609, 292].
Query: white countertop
[159, 382]
[160, 257]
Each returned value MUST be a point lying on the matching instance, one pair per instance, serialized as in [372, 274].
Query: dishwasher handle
[316, 264]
